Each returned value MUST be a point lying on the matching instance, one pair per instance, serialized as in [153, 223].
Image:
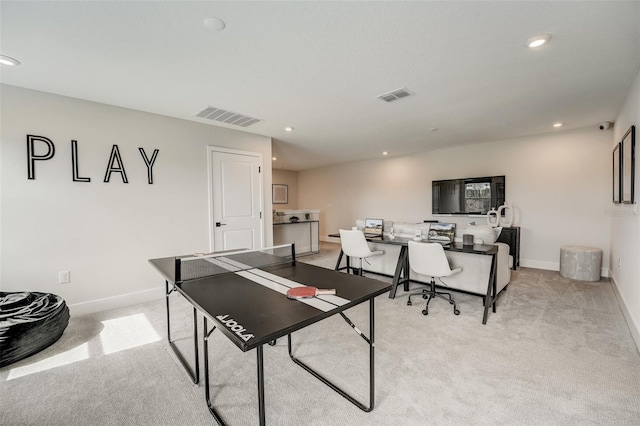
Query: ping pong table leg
[207, 394]
[260, 385]
[371, 356]
[195, 346]
[348, 397]
[193, 373]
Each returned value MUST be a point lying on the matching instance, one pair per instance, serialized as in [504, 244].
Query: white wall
[625, 224]
[559, 184]
[289, 178]
[104, 233]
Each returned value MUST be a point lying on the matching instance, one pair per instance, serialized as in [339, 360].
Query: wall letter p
[32, 157]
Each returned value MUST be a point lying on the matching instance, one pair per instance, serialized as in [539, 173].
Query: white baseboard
[330, 240]
[99, 305]
[552, 266]
[539, 264]
[633, 328]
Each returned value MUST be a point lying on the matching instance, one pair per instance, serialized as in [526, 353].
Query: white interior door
[235, 199]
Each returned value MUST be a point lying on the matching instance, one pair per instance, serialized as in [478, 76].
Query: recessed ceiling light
[7, 60]
[557, 124]
[288, 129]
[214, 23]
[385, 153]
[538, 40]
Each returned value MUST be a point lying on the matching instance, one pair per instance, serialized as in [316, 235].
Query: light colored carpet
[556, 352]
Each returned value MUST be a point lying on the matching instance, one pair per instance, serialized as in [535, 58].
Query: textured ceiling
[319, 66]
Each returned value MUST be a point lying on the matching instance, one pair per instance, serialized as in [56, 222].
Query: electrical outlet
[619, 262]
[64, 277]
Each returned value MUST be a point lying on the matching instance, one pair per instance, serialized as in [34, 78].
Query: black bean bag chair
[29, 322]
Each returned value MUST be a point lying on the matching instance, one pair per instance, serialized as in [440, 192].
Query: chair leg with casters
[433, 294]
[424, 293]
[358, 271]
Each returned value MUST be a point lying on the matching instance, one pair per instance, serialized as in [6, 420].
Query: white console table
[304, 233]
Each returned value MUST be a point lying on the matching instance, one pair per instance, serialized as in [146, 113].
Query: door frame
[211, 149]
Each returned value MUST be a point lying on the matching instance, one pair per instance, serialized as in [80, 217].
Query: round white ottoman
[580, 263]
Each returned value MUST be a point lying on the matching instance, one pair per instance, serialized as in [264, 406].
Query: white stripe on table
[277, 283]
[334, 300]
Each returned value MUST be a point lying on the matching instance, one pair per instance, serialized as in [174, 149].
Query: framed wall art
[628, 165]
[280, 194]
[617, 174]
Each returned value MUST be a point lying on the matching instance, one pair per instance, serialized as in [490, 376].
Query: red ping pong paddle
[306, 292]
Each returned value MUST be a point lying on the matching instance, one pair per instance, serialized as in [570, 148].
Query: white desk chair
[354, 244]
[429, 259]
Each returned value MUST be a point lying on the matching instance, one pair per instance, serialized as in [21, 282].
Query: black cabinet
[511, 236]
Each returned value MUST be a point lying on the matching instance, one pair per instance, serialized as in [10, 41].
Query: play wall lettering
[114, 164]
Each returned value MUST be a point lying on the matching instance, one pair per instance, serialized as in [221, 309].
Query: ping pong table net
[208, 265]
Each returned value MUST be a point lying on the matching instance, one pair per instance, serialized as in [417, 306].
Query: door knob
[218, 224]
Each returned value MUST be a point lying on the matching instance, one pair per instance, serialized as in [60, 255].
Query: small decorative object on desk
[505, 215]
[442, 232]
[294, 219]
[418, 235]
[467, 239]
[391, 236]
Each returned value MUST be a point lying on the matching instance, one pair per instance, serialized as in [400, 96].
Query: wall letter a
[115, 158]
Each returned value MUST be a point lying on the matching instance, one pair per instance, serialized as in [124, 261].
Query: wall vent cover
[395, 95]
[227, 117]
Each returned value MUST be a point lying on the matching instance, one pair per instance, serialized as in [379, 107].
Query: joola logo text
[233, 325]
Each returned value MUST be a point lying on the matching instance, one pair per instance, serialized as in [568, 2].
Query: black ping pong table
[244, 294]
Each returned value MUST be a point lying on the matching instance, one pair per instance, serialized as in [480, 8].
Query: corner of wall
[635, 332]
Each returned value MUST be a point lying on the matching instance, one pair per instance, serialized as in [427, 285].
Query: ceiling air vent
[228, 117]
[395, 95]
